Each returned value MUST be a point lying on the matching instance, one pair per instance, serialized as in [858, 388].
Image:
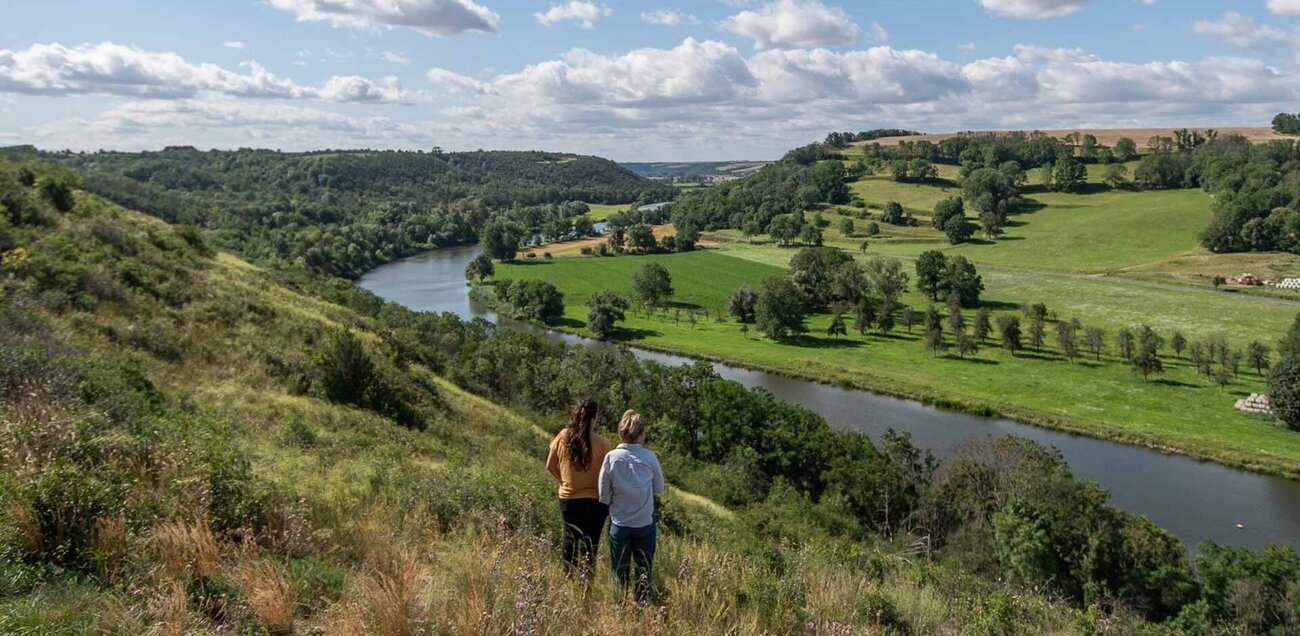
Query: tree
[1179, 343]
[784, 228]
[781, 308]
[934, 342]
[1146, 358]
[1284, 391]
[846, 226]
[894, 214]
[909, 318]
[864, 315]
[931, 272]
[1067, 339]
[956, 322]
[989, 192]
[817, 272]
[966, 345]
[957, 229]
[1257, 357]
[1069, 175]
[743, 303]
[1222, 377]
[1290, 344]
[1125, 149]
[1036, 330]
[1286, 124]
[885, 317]
[932, 319]
[652, 284]
[532, 299]
[963, 282]
[886, 277]
[1124, 344]
[501, 239]
[983, 323]
[873, 229]
[837, 327]
[57, 191]
[811, 234]
[1116, 176]
[946, 209]
[898, 170]
[480, 267]
[1094, 339]
[922, 170]
[605, 309]
[641, 237]
[1009, 330]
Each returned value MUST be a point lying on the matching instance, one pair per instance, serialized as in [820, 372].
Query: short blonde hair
[631, 426]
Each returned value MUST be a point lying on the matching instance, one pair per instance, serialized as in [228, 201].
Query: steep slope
[192, 444]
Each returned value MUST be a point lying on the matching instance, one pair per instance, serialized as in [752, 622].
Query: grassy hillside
[1102, 398]
[185, 451]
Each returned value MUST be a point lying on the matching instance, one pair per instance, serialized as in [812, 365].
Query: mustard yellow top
[574, 483]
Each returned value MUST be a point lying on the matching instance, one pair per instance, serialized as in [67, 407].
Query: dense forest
[1008, 511]
[344, 212]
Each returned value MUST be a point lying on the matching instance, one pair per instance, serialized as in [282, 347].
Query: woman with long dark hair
[574, 459]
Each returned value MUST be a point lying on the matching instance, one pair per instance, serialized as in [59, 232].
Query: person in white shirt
[630, 479]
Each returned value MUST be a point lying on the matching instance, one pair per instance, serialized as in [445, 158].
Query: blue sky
[684, 80]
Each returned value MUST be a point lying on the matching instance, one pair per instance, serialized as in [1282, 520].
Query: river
[1195, 500]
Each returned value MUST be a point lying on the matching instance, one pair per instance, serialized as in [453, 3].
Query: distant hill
[695, 169]
[344, 212]
[1105, 136]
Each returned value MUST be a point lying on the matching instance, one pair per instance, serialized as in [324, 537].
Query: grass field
[602, 211]
[1104, 399]
[1106, 136]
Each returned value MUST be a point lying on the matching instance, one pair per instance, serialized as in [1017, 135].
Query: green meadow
[1103, 398]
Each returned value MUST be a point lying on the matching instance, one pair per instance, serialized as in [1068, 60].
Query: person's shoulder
[600, 443]
[559, 438]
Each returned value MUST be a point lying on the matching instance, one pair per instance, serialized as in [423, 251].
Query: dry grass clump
[267, 592]
[184, 550]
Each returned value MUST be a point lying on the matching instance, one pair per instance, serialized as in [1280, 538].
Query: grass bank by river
[1098, 398]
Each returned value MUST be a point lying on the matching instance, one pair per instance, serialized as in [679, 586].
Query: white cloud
[114, 69]
[580, 11]
[233, 44]
[1034, 9]
[109, 68]
[668, 17]
[455, 81]
[1243, 32]
[967, 48]
[430, 17]
[396, 58]
[794, 24]
[352, 88]
[1284, 7]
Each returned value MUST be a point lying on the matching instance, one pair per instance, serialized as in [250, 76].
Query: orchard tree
[1124, 344]
[1067, 339]
[966, 345]
[781, 308]
[1094, 340]
[846, 226]
[1036, 329]
[1145, 359]
[1257, 357]
[837, 327]
[909, 318]
[983, 323]
[1009, 331]
[652, 284]
[1179, 343]
[934, 342]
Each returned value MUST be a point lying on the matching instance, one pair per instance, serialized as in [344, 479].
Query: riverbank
[1104, 400]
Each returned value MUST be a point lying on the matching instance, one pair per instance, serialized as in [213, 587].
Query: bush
[1284, 391]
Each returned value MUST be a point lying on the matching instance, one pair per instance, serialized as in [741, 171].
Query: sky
[651, 80]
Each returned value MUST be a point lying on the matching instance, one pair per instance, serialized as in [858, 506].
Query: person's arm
[604, 487]
[553, 464]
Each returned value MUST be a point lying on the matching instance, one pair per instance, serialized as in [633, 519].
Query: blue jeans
[633, 544]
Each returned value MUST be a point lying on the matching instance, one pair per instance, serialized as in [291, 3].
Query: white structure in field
[1289, 283]
[1256, 403]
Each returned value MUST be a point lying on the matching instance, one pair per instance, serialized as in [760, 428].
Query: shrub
[1284, 391]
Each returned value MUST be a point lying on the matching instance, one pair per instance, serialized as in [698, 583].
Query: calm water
[1196, 500]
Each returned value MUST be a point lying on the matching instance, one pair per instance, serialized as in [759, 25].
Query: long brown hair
[582, 423]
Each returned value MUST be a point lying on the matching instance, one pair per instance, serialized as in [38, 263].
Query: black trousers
[584, 519]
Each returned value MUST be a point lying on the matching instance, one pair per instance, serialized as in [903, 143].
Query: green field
[602, 211]
[1104, 399]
